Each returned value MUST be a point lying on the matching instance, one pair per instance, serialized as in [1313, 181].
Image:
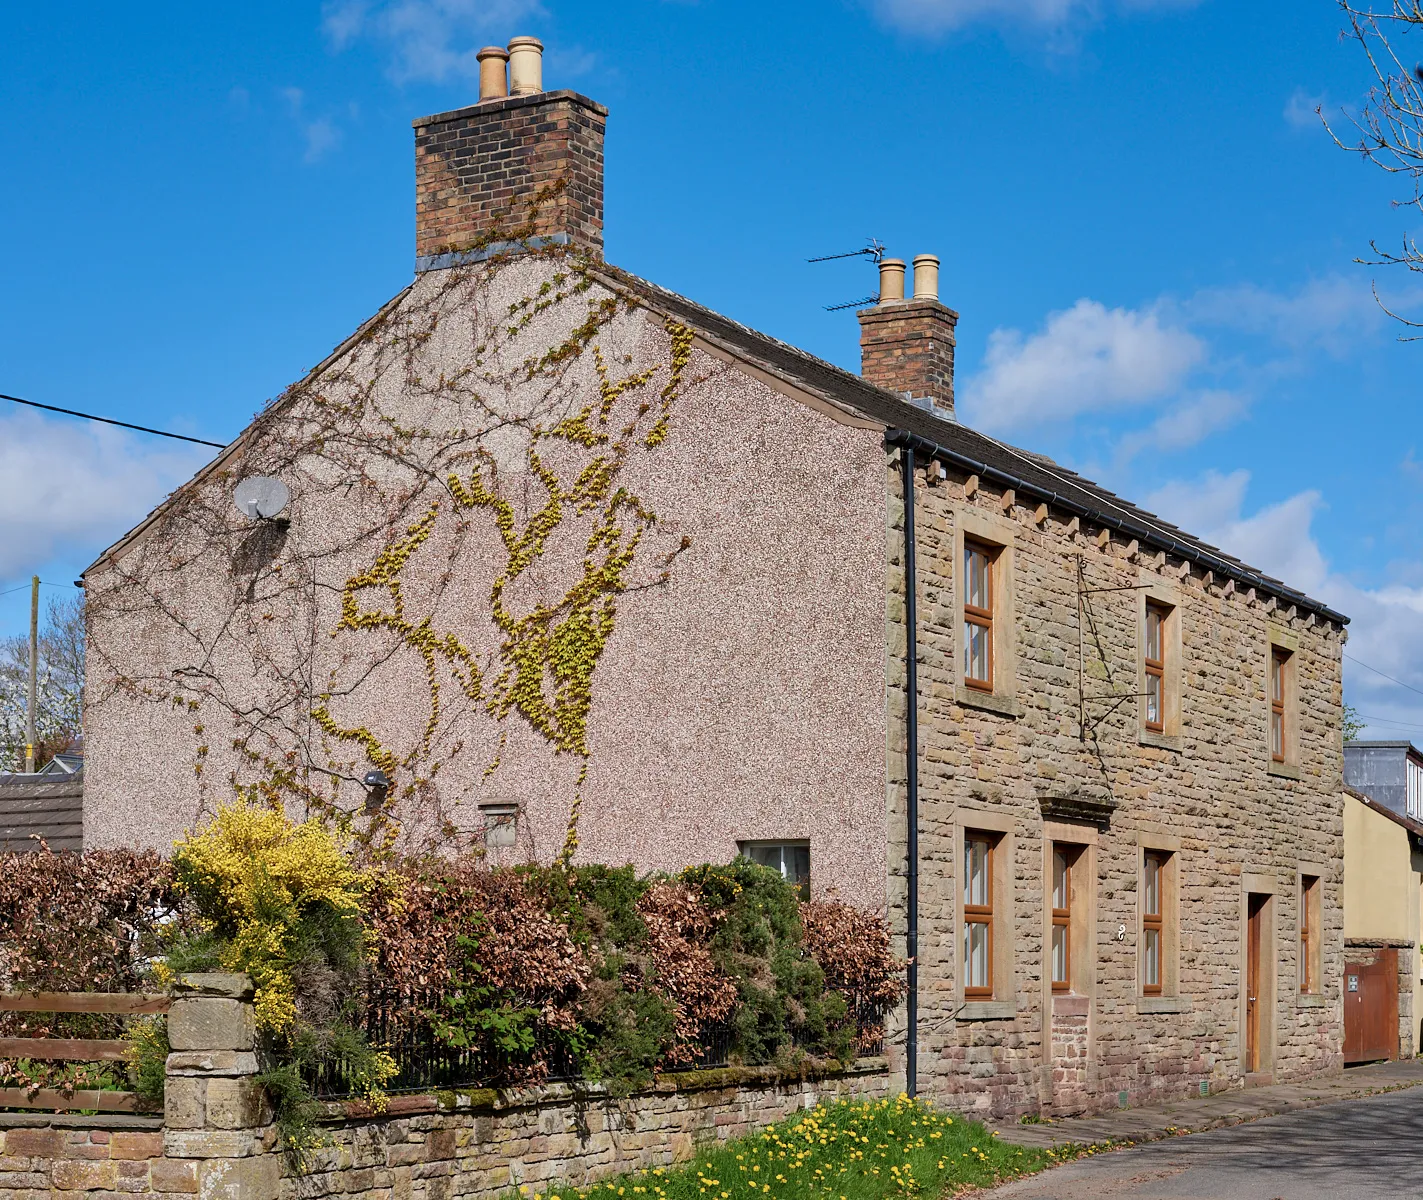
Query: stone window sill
[1310, 1000]
[1285, 770]
[1164, 1004]
[1162, 741]
[1004, 706]
[1070, 1005]
[987, 1010]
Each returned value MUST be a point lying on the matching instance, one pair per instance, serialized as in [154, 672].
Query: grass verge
[849, 1150]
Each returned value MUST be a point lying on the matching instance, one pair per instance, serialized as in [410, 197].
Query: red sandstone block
[137, 1145]
[37, 1143]
[100, 1137]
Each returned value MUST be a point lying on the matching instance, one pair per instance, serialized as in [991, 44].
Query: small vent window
[791, 859]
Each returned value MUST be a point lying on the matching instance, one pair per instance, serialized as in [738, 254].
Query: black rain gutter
[912, 442]
[911, 772]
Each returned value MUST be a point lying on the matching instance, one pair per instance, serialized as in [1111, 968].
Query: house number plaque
[1353, 983]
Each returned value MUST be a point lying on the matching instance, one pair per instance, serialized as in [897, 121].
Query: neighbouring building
[43, 807]
[1389, 773]
[1383, 902]
[546, 555]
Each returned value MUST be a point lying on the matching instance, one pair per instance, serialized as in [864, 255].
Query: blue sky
[1147, 233]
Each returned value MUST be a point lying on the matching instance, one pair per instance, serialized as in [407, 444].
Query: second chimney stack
[907, 346]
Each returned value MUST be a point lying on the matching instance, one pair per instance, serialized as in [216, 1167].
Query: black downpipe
[911, 756]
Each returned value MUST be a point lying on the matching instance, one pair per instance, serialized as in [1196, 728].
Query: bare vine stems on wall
[457, 419]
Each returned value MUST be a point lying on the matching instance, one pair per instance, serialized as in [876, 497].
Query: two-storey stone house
[576, 565]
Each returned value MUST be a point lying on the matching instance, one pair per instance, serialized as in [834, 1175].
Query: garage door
[1370, 1005]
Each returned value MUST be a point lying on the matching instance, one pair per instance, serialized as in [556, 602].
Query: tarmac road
[1366, 1149]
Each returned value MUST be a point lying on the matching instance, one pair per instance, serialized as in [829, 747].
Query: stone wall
[483, 1143]
[216, 1138]
[1236, 822]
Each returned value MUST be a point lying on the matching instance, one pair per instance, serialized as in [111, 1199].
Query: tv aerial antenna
[260, 497]
[873, 249]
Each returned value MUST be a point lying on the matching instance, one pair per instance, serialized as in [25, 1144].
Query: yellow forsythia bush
[255, 875]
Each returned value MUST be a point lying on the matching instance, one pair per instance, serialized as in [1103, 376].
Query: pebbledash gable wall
[771, 619]
[216, 1140]
[1017, 766]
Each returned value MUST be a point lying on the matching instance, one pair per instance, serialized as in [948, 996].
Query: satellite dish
[260, 497]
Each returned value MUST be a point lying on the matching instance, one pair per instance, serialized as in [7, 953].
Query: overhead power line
[69, 412]
[1387, 676]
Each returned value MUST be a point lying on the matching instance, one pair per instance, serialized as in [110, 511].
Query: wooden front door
[1253, 944]
[1371, 1005]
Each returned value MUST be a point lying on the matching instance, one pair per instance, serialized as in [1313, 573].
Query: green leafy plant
[148, 1058]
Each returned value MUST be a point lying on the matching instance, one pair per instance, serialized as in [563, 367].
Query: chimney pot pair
[525, 69]
[926, 278]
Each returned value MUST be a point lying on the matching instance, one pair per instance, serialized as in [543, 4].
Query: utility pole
[34, 672]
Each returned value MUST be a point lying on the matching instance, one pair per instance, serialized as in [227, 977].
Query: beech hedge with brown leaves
[589, 969]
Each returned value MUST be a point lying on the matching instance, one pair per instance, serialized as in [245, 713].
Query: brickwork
[908, 346]
[478, 170]
[1210, 793]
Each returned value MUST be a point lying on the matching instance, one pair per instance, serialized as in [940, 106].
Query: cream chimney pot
[891, 279]
[926, 277]
[526, 66]
[493, 82]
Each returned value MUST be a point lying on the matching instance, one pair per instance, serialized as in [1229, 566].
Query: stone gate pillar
[214, 1111]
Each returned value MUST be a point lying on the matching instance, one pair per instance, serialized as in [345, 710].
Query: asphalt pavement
[1363, 1149]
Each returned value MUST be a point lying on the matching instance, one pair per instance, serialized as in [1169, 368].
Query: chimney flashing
[463, 258]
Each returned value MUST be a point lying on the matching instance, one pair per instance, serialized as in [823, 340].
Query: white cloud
[943, 16]
[1386, 628]
[1186, 367]
[429, 39]
[1333, 313]
[68, 489]
[1301, 109]
[320, 134]
[1085, 359]
[1186, 424]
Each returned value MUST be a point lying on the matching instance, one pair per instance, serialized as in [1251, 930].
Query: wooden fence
[74, 1049]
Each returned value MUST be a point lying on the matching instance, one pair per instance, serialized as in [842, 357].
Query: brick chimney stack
[515, 170]
[908, 345]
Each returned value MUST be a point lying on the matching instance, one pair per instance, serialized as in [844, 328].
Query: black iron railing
[402, 1027]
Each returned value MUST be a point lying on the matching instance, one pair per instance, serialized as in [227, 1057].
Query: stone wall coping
[214, 983]
[509, 1099]
[211, 1063]
[44, 1120]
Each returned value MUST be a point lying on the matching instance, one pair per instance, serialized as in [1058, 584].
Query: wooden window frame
[1281, 659]
[977, 616]
[1154, 921]
[1156, 667]
[979, 914]
[1310, 913]
[1061, 917]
